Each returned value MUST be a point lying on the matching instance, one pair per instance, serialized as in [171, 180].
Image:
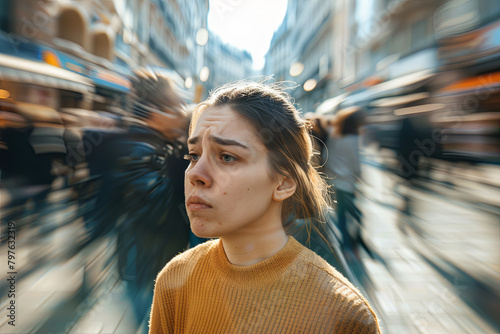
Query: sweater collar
[264, 272]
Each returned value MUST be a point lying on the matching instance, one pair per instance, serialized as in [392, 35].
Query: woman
[249, 177]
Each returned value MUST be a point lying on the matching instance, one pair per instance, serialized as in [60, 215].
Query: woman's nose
[199, 172]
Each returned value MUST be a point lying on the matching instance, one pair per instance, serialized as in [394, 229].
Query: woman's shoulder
[339, 293]
[182, 265]
[331, 281]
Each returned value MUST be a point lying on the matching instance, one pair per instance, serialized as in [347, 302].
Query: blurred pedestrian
[142, 196]
[250, 176]
[343, 169]
[31, 147]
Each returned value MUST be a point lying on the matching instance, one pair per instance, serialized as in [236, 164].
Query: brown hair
[281, 128]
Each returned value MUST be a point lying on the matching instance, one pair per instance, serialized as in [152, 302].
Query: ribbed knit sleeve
[162, 313]
[356, 315]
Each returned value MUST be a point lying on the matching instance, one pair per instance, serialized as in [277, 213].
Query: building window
[419, 34]
[71, 26]
[5, 15]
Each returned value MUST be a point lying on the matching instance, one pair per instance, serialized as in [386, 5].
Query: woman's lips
[196, 203]
[198, 207]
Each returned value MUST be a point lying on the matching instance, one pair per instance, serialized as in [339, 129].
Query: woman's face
[228, 184]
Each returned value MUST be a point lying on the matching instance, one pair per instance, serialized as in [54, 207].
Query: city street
[409, 293]
[413, 295]
[132, 131]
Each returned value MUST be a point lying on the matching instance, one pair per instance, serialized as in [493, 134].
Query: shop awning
[400, 100]
[472, 85]
[391, 88]
[397, 85]
[38, 73]
[109, 79]
[330, 106]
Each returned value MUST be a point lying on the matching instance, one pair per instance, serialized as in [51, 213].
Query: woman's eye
[227, 158]
[191, 157]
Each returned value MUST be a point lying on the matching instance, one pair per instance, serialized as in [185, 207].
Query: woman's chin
[202, 230]
[203, 235]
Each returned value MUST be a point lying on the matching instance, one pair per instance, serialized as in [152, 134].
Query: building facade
[104, 41]
[351, 45]
[225, 63]
[301, 51]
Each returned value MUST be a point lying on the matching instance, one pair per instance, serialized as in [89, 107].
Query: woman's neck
[247, 249]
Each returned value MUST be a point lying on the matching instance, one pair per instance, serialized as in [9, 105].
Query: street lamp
[204, 74]
[310, 84]
[202, 36]
[188, 83]
[296, 69]
[201, 41]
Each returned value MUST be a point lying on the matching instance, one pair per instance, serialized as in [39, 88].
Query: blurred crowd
[425, 145]
[112, 176]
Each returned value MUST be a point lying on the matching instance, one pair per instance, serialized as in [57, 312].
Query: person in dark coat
[142, 197]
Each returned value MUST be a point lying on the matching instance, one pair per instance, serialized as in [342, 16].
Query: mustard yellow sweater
[295, 291]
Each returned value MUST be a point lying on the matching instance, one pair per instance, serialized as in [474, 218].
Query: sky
[247, 24]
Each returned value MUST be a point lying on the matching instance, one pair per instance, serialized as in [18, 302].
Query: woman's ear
[284, 189]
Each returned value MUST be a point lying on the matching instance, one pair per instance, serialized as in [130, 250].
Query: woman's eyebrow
[193, 140]
[219, 140]
[226, 141]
